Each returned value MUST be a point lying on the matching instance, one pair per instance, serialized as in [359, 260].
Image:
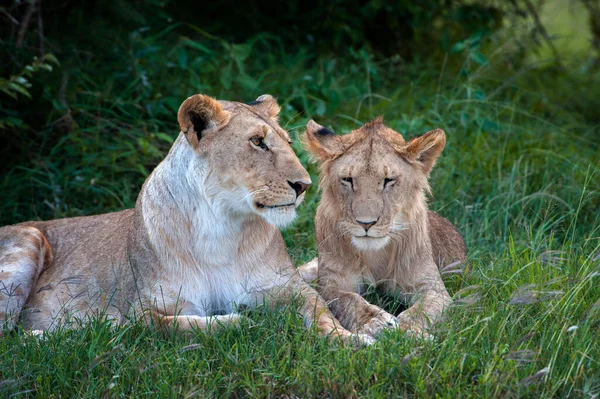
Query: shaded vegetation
[519, 177]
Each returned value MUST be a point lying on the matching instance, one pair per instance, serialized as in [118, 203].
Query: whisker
[251, 193]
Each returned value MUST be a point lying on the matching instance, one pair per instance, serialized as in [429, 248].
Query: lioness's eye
[259, 142]
[347, 181]
[388, 182]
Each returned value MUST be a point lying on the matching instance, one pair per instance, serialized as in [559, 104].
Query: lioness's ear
[426, 148]
[199, 115]
[267, 104]
[321, 142]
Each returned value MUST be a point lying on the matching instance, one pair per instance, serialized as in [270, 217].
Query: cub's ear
[267, 104]
[199, 115]
[426, 148]
[321, 142]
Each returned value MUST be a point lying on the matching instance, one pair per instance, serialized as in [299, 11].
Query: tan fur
[373, 226]
[201, 240]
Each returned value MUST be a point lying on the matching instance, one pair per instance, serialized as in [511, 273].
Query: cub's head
[249, 164]
[373, 182]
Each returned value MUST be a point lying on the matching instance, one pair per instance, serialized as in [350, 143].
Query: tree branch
[40, 28]
[25, 23]
[542, 30]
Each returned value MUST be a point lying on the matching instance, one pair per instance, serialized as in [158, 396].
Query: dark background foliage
[80, 77]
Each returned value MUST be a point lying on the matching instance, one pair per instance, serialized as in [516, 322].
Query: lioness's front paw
[309, 271]
[233, 319]
[355, 339]
[383, 321]
[39, 334]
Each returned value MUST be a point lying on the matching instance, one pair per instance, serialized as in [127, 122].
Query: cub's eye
[258, 141]
[388, 182]
[347, 181]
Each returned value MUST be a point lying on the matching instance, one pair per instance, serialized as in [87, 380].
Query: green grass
[519, 177]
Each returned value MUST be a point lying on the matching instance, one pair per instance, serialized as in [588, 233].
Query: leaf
[240, 52]
[51, 58]
[225, 77]
[488, 125]
[457, 47]
[188, 42]
[247, 82]
[321, 108]
[164, 137]
[478, 57]
[8, 92]
[20, 89]
[172, 103]
[46, 67]
[182, 57]
[21, 80]
[333, 100]
[142, 170]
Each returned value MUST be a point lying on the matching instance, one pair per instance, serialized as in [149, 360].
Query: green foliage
[19, 85]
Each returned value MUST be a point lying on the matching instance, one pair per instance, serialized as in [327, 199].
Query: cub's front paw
[413, 326]
[383, 321]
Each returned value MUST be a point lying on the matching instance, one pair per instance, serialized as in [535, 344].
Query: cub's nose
[366, 223]
[299, 186]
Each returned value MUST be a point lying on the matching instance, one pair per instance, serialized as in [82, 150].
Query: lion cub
[202, 239]
[373, 226]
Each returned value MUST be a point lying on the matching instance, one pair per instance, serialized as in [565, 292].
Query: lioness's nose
[299, 186]
[366, 223]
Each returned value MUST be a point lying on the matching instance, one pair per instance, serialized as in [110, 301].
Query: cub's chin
[366, 243]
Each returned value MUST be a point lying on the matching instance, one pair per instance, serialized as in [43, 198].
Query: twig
[7, 15]
[40, 28]
[594, 13]
[25, 23]
[542, 30]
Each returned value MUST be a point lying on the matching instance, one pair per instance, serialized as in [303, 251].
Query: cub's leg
[24, 252]
[428, 295]
[356, 314]
[340, 290]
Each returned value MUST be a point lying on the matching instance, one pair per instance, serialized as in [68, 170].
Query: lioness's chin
[370, 243]
[279, 217]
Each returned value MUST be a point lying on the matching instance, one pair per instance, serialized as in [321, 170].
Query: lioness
[373, 226]
[201, 240]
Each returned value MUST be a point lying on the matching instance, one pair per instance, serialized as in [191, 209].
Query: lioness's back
[73, 234]
[81, 249]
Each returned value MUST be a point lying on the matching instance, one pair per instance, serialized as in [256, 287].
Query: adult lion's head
[251, 167]
[372, 180]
